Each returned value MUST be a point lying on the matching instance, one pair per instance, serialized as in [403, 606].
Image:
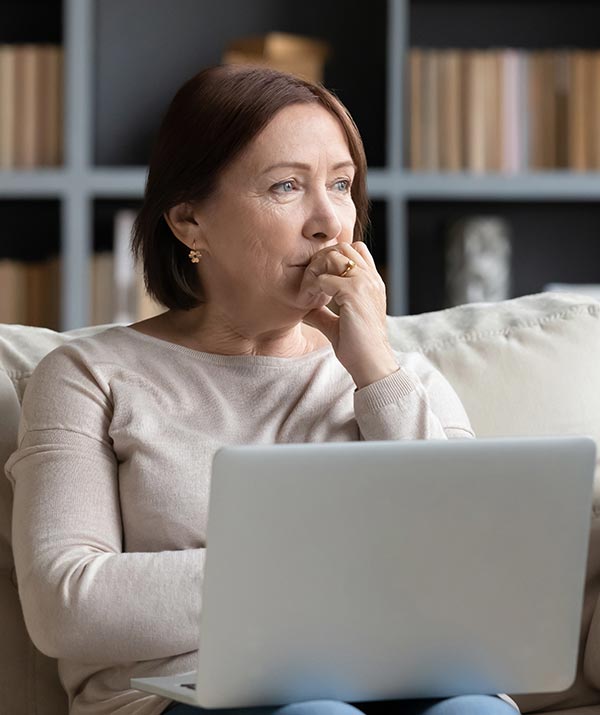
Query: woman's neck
[205, 330]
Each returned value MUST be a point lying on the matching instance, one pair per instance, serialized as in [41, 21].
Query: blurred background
[480, 122]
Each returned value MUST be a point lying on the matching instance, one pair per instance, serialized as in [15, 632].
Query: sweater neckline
[216, 358]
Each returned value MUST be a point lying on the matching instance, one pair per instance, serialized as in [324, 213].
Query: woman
[252, 221]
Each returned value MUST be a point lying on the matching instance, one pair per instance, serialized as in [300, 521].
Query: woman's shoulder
[86, 360]
[95, 347]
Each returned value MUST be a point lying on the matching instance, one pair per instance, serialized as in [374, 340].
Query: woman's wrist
[369, 372]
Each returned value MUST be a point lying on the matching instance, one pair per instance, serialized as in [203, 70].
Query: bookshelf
[104, 154]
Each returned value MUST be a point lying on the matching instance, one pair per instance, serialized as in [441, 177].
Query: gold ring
[349, 266]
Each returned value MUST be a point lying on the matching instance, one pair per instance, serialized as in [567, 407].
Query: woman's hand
[359, 333]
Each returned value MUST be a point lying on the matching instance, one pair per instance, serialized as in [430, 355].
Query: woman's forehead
[300, 134]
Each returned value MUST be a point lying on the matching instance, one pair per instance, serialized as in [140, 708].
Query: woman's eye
[345, 184]
[285, 187]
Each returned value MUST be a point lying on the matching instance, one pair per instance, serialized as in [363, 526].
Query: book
[577, 119]
[476, 114]
[562, 108]
[29, 113]
[415, 79]
[7, 106]
[35, 293]
[492, 88]
[50, 120]
[13, 294]
[430, 115]
[146, 306]
[42, 287]
[536, 111]
[102, 285]
[53, 292]
[594, 105]
[131, 301]
[511, 139]
[450, 110]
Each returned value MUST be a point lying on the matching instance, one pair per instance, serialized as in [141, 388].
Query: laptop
[381, 570]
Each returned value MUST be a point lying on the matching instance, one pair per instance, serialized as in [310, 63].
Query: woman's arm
[83, 598]
[415, 402]
[392, 402]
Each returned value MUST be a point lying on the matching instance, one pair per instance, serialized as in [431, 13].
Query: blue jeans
[458, 705]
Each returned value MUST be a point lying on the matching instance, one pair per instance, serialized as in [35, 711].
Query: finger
[335, 263]
[324, 320]
[313, 297]
[349, 251]
[338, 288]
[333, 259]
[362, 248]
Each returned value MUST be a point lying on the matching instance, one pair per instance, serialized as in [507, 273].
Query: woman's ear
[183, 224]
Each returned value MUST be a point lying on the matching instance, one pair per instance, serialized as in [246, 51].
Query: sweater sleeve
[83, 597]
[415, 402]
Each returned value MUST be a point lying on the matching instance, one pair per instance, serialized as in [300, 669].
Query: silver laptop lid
[378, 570]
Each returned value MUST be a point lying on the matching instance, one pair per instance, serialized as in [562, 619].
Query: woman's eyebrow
[306, 167]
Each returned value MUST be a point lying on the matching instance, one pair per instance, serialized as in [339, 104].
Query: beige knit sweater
[111, 476]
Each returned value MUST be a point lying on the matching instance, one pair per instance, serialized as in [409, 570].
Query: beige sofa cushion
[528, 366]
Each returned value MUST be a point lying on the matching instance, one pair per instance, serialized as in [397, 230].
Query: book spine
[476, 111]
[535, 111]
[450, 140]
[12, 292]
[511, 113]
[430, 111]
[7, 106]
[50, 119]
[577, 111]
[493, 109]
[415, 68]
[561, 88]
[30, 107]
[594, 109]
[549, 124]
[103, 309]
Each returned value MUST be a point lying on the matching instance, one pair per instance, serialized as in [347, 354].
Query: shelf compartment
[556, 242]
[30, 262]
[177, 38]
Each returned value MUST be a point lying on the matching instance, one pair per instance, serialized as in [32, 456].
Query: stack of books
[118, 291]
[31, 111]
[30, 292]
[504, 111]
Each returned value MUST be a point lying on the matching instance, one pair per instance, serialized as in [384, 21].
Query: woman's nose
[323, 221]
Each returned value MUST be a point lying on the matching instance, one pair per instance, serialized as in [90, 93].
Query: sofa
[527, 366]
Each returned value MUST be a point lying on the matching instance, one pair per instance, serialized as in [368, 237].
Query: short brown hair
[211, 119]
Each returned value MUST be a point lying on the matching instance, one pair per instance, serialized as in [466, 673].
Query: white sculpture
[478, 260]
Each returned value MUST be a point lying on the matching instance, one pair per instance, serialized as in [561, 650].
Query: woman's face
[284, 198]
